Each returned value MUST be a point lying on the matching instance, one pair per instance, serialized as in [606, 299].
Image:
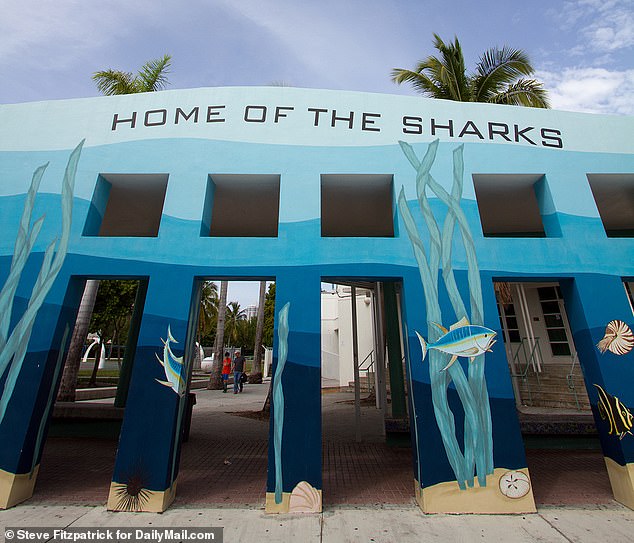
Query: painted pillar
[593, 301]
[146, 467]
[466, 441]
[130, 347]
[294, 474]
[28, 406]
[393, 337]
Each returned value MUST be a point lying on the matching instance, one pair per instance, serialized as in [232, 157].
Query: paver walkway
[225, 461]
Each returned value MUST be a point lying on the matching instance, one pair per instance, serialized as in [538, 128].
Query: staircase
[554, 387]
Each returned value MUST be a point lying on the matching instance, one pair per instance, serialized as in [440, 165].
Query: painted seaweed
[14, 343]
[278, 398]
[477, 453]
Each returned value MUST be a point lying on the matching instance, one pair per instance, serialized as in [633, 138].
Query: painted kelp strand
[14, 345]
[59, 363]
[478, 441]
[278, 398]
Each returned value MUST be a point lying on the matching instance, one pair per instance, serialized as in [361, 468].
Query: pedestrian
[238, 368]
[226, 370]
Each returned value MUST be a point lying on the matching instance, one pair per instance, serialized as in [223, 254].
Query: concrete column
[395, 365]
[294, 474]
[24, 426]
[146, 467]
[451, 476]
[592, 301]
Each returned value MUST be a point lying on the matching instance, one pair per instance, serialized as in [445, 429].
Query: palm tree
[234, 315]
[208, 309]
[501, 77]
[151, 77]
[259, 331]
[215, 379]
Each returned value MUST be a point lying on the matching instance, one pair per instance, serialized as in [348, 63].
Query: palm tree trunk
[95, 368]
[259, 331]
[215, 379]
[73, 358]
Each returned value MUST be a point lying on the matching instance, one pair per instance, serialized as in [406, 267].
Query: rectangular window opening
[508, 204]
[614, 196]
[126, 205]
[357, 205]
[241, 205]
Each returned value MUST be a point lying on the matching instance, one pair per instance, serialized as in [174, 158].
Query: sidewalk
[368, 494]
[387, 524]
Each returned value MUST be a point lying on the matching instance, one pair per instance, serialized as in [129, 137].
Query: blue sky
[583, 50]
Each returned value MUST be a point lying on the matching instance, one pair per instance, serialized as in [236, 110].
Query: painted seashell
[304, 499]
[618, 338]
[515, 484]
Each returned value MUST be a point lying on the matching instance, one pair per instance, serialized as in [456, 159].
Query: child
[226, 370]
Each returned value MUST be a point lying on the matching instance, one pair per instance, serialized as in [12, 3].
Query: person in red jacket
[226, 370]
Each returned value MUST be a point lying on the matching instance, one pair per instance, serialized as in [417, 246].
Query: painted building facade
[435, 201]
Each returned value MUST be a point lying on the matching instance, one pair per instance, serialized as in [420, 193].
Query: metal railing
[367, 367]
[570, 379]
[525, 358]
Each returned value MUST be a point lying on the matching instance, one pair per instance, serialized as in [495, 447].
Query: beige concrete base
[448, 498]
[151, 501]
[622, 481]
[16, 488]
[271, 507]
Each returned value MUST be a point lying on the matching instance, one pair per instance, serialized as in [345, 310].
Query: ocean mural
[278, 398]
[14, 343]
[618, 338]
[468, 338]
[173, 366]
[618, 416]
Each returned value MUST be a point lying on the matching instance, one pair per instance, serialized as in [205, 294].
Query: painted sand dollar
[515, 484]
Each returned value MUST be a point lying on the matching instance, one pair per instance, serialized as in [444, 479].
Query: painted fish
[172, 365]
[462, 339]
[618, 338]
[618, 415]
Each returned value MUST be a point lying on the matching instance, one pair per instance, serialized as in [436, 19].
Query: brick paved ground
[78, 471]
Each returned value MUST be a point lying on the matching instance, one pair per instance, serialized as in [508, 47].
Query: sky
[583, 50]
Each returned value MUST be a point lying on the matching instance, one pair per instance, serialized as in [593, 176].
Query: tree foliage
[269, 316]
[501, 76]
[113, 309]
[150, 78]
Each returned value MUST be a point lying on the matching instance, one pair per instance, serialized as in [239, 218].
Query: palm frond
[110, 82]
[498, 68]
[524, 92]
[153, 75]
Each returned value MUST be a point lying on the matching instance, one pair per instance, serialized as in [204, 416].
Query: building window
[238, 205]
[614, 196]
[508, 322]
[126, 205]
[357, 205]
[513, 205]
[551, 300]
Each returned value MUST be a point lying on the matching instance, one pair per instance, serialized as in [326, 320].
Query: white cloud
[591, 90]
[603, 26]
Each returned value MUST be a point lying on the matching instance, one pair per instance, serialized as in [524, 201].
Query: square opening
[238, 205]
[126, 205]
[614, 196]
[508, 205]
[357, 205]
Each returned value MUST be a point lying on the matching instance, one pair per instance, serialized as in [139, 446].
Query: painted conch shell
[304, 499]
